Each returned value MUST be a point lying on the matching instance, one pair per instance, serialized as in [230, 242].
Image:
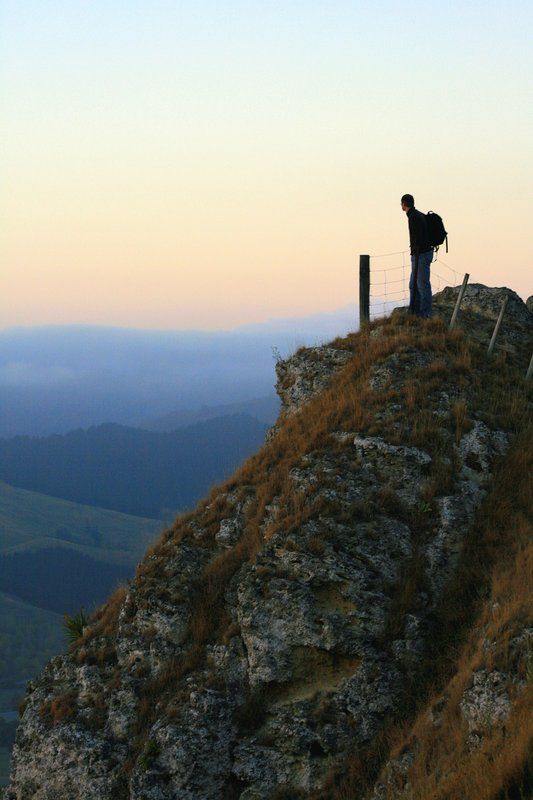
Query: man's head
[407, 201]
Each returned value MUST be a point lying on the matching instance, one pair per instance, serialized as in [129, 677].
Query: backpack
[436, 231]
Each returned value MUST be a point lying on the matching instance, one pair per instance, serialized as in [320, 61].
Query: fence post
[364, 289]
[459, 300]
[497, 326]
[529, 372]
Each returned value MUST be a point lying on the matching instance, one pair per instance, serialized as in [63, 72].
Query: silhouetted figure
[421, 258]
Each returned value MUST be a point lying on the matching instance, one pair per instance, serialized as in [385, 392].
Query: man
[421, 258]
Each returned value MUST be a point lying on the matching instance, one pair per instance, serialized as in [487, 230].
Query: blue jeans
[420, 295]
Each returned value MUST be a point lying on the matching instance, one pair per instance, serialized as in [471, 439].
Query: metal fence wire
[389, 280]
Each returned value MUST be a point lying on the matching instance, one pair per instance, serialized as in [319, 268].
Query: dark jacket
[418, 232]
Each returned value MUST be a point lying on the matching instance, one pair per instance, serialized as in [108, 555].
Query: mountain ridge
[275, 636]
[128, 469]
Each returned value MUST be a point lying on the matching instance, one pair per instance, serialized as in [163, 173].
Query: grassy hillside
[29, 636]
[56, 555]
[30, 520]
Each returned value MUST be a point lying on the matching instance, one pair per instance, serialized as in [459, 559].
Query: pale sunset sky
[206, 164]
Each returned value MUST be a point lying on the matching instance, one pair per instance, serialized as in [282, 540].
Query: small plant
[315, 546]
[462, 423]
[151, 751]
[529, 661]
[60, 708]
[276, 355]
[74, 625]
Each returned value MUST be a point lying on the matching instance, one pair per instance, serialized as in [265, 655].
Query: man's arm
[419, 231]
[413, 239]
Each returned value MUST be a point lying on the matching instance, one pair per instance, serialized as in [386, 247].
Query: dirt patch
[314, 671]
[331, 598]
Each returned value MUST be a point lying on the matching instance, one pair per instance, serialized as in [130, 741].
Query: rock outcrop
[487, 301]
[285, 621]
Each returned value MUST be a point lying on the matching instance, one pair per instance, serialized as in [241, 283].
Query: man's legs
[414, 294]
[424, 285]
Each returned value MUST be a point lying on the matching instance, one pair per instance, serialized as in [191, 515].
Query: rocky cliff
[294, 634]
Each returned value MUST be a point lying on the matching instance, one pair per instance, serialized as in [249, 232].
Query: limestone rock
[487, 301]
[306, 373]
[486, 703]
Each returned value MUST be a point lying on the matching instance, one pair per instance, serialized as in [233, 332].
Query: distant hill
[264, 409]
[145, 473]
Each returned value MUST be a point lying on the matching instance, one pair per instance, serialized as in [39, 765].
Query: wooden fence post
[364, 289]
[497, 326]
[459, 300]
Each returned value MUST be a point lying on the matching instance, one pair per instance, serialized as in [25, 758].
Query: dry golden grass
[462, 423]
[445, 767]
[104, 622]
[61, 708]
[497, 566]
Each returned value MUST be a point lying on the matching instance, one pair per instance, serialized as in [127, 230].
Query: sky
[208, 164]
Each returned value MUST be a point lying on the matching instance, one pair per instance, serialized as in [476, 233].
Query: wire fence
[384, 285]
[389, 280]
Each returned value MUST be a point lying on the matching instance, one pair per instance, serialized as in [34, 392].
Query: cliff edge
[351, 599]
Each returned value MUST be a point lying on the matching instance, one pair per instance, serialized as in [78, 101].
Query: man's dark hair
[408, 200]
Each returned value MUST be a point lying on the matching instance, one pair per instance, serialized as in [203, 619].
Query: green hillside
[56, 555]
[29, 636]
[29, 520]
[67, 541]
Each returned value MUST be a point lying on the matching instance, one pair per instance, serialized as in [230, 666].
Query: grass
[492, 589]
[500, 556]
[74, 625]
[61, 708]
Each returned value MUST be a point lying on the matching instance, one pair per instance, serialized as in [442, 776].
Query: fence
[384, 286]
[384, 280]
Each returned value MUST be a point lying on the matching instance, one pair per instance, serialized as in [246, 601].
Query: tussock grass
[492, 590]
[104, 621]
[499, 557]
[60, 708]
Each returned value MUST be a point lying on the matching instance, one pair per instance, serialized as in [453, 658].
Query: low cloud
[24, 373]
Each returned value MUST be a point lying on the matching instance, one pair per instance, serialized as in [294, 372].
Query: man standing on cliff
[421, 258]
